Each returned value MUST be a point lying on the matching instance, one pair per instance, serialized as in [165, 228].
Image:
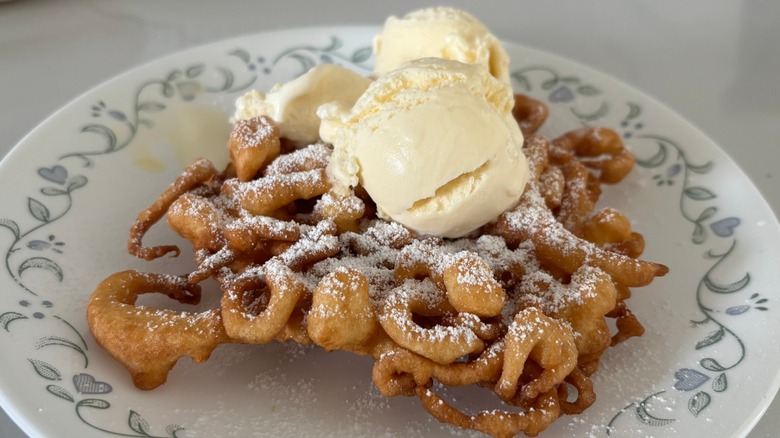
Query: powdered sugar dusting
[316, 155]
[250, 133]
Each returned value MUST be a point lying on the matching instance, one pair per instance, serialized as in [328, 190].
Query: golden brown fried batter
[518, 309]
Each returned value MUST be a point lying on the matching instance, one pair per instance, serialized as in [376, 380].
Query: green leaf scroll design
[588, 90]
[591, 116]
[60, 392]
[11, 225]
[44, 217]
[699, 193]
[645, 417]
[111, 142]
[135, 422]
[306, 62]
[713, 338]
[711, 364]
[657, 159]
[698, 402]
[730, 288]
[720, 383]
[692, 203]
[634, 110]
[554, 83]
[42, 263]
[94, 403]
[151, 106]
[552, 79]
[361, 55]
[38, 210]
[173, 429]
[50, 341]
[122, 126]
[241, 54]
[195, 70]
[45, 370]
[641, 413]
[8, 317]
[690, 194]
[53, 191]
[138, 423]
[707, 284]
[76, 182]
[305, 55]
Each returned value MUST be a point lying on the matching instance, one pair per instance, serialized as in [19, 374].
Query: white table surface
[717, 63]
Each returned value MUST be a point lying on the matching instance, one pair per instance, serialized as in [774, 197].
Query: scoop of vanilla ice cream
[440, 32]
[293, 105]
[433, 143]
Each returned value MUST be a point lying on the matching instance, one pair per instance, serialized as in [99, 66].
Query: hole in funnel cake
[255, 300]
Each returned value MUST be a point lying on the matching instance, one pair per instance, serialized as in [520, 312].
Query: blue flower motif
[725, 227]
[561, 94]
[626, 124]
[117, 115]
[42, 245]
[737, 310]
[688, 379]
[258, 63]
[757, 303]
[37, 315]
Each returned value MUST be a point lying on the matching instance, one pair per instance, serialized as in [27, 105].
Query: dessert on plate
[412, 216]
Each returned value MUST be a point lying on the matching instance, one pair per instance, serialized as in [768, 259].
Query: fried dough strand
[197, 174]
[148, 341]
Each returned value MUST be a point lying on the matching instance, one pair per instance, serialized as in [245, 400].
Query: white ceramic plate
[71, 189]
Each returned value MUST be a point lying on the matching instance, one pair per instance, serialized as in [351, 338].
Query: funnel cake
[518, 308]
